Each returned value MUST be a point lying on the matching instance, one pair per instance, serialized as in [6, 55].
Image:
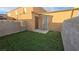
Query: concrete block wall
[70, 34]
[9, 27]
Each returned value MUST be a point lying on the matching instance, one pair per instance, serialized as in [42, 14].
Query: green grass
[32, 41]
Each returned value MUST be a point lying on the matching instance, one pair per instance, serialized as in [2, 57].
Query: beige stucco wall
[25, 12]
[28, 16]
[39, 10]
[59, 17]
[21, 13]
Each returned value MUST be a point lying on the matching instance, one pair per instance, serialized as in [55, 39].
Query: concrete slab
[41, 31]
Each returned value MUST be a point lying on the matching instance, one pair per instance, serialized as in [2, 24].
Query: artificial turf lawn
[32, 41]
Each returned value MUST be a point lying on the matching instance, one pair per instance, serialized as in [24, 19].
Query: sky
[49, 9]
[4, 10]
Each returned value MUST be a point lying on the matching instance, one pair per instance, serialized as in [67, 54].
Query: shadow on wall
[11, 18]
[56, 27]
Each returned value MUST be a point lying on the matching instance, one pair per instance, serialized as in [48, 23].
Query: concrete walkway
[41, 31]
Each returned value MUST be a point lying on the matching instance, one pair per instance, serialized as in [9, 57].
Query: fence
[9, 27]
[70, 34]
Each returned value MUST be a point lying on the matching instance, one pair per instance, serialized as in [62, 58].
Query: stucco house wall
[38, 10]
[28, 15]
[25, 12]
[60, 16]
[55, 19]
[21, 13]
